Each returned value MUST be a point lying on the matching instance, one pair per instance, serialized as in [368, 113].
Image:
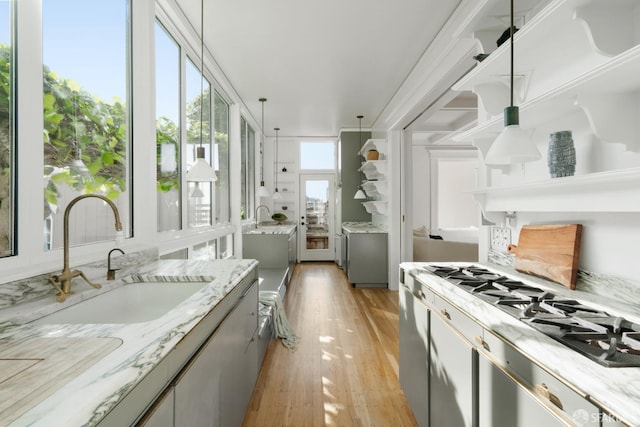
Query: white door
[316, 230]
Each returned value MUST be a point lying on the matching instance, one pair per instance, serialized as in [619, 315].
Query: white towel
[281, 325]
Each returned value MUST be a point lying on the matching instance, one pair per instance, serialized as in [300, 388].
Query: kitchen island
[505, 372]
[142, 360]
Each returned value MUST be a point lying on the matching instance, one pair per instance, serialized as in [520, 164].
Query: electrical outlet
[500, 238]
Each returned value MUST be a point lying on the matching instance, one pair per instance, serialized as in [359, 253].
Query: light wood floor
[344, 371]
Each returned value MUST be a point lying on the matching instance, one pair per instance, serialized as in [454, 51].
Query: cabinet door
[414, 354]
[505, 403]
[197, 390]
[367, 258]
[161, 413]
[453, 370]
[240, 358]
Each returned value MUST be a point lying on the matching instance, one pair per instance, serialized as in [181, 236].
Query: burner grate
[609, 340]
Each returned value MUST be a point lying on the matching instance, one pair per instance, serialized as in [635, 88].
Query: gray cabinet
[452, 370]
[456, 373]
[215, 386]
[506, 403]
[272, 250]
[161, 413]
[414, 352]
[367, 258]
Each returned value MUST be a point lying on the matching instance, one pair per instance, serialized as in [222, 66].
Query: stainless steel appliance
[609, 340]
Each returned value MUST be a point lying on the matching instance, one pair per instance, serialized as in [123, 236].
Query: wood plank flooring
[344, 371]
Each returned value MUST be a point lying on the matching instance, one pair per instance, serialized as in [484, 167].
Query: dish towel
[281, 325]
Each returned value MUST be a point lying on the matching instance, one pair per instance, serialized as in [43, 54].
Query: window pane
[86, 123]
[456, 206]
[167, 130]
[251, 169]
[317, 155]
[221, 159]
[7, 246]
[198, 125]
[243, 170]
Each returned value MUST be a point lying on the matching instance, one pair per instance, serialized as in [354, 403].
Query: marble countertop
[87, 398]
[615, 389]
[363, 227]
[286, 227]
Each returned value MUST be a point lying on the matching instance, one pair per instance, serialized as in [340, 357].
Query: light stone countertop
[286, 227]
[363, 227]
[87, 398]
[615, 389]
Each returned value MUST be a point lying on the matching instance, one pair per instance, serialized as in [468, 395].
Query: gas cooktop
[609, 340]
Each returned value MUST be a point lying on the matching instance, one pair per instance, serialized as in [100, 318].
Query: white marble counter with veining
[363, 227]
[615, 389]
[286, 227]
[87, 398]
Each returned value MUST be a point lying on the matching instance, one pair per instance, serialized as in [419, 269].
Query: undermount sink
[130, 303]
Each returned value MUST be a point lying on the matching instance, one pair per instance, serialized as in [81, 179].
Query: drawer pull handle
[421, 294]
[482, 342]
[445, 313]
[543, 390]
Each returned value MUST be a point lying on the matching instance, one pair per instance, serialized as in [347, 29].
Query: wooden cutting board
[549, 251]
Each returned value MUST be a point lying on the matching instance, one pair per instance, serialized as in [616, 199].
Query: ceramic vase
[561, 154]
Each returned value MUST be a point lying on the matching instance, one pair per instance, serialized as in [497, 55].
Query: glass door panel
[316, 218]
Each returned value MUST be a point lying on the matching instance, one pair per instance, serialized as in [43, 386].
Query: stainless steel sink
[130, 303]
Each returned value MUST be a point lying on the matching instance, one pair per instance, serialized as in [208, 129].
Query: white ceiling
[319, 63]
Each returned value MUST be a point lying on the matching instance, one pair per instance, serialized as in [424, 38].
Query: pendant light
[360, 194]
[276, 195]
[262, 190]
[514, 144]
[201, 170]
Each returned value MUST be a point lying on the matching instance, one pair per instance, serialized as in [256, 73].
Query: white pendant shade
[512, 146]
[262, 191]
[276, 195]
[201, 170]
[360, 195]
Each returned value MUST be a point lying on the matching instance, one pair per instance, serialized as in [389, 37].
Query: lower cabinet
[367, 258]
[161, 413]
[414, 353]
[215, 387]
[452, 368]
[506, 403]
[456, 373]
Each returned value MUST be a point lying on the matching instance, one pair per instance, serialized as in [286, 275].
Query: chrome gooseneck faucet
[62, 281]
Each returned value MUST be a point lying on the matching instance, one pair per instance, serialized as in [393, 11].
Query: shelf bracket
[613, 117]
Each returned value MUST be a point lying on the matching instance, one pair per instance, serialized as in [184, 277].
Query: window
[221, 159]
[7, 134]
[86, 115]
[168, 130]
[248, 153]
[455, 207]
[317, 155]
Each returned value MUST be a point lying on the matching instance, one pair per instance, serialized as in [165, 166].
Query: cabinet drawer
[466, 326]
[547, 388]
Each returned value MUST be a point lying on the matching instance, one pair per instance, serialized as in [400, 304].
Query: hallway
[344, 370]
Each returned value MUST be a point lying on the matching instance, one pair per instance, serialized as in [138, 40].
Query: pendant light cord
[360, 143]
[275, 165]
[201, 71]
[511, 30]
